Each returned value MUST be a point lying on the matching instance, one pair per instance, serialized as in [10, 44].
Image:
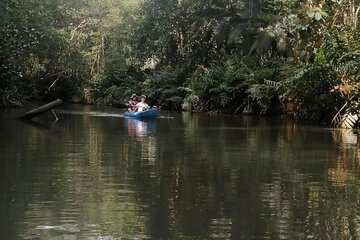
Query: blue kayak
[149, 113]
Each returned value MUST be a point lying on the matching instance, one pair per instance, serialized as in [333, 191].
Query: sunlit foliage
[230, 56]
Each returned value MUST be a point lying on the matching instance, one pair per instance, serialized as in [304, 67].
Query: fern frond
[272, 83]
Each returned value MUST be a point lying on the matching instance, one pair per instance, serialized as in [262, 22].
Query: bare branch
[84, 23]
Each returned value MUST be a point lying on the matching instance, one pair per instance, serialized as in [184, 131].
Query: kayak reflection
[140, 128]
[142, 136]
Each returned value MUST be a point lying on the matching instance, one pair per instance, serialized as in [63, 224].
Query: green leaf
[311, 14]
[323, 14]
[318, 16]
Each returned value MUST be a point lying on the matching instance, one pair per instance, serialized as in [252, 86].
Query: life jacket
[132, 104]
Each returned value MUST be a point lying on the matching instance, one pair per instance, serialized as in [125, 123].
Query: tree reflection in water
[193, 177]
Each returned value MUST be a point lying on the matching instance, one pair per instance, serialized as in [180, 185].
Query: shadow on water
[40, 124]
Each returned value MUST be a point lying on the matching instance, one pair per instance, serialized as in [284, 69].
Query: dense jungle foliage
[252, 56]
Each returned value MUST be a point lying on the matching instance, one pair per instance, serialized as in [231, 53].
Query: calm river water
[96, 175]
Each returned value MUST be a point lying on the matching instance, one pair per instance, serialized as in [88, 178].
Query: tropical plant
[163, 88]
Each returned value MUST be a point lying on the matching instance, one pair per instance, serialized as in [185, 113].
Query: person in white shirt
[142, 106]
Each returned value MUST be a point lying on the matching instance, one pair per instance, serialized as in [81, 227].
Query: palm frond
[345, 117]
[349, 120]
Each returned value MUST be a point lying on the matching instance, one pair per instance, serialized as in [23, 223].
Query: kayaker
[142, 106]
[132, 103]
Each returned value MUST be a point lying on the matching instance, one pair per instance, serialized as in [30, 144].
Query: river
[95, 175]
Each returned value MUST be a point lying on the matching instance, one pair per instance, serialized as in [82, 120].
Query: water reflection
[142, 139]
[346, 138]
[191, 177]
[139, 129]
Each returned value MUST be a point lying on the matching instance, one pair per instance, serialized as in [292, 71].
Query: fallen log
[42, 109]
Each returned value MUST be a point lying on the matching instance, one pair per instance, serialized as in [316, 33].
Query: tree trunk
[42, 109]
